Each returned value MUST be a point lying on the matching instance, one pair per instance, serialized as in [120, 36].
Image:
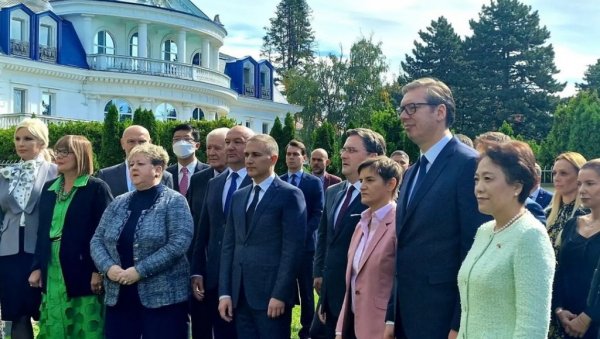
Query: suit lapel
[382, 229]
[405, 188]
[336, 202]
[37, 186]
[262, 205]
[122, 177]
[434, 172]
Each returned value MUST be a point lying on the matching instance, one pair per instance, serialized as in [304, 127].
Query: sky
[574, 27]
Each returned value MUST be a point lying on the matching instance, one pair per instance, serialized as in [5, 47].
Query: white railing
[13, 119]
[127, 64]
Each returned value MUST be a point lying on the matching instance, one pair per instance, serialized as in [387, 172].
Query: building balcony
[249, 90]
[47, 53]
[144, 66]
[13, 119]
[265, 93]
[19, 48]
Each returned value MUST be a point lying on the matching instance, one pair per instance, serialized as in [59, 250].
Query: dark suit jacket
[266, 256]
[195, 197]
[536, 210]
[330, 180]
[331, 256]
[211, 226]
[173, 170]
[435, 232]
[313, 196]
[83, 216]
[115, 177]
[544, 197]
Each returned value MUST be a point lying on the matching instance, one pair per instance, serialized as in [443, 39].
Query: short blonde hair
[156, 154]
[270, 144]
[39, 130]
[82, 150]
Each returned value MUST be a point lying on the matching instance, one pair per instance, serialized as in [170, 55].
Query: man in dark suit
[200, 312]
[319, 160]
[312, 189]
[117, 176]
[340, 217]
[211, 225]
[540, 195]
[436, 218]
[261, 246]
[186, 141]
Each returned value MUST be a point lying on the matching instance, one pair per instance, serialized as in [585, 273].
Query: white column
[88, 35]
[147, 103]
[181, 47]
[143, 40]
[214, 57]
[205, 53]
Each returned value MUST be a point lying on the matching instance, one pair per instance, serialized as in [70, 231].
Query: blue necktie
[293, 181]
[422, 172]
[232, 189]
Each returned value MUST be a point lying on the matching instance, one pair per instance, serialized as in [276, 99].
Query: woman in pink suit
[371, 256]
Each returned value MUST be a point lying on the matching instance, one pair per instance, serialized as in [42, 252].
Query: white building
[69, 59]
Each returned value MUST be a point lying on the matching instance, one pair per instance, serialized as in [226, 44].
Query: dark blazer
[435, 232]
[330, 180]
[536, 210]
[115, 177]
[331, 256]
[173, 170]
[211, 227]
[197, 190]
[313, 196]
[266, 256]
[81, 220]
[544, 197]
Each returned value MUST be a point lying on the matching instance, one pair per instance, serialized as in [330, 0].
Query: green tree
[324, 137]
[144, 117]
[575, 128]
[507, 129]
[513, 68]
[282, 135]
[591, 78]
[111, 152]
[289, 41]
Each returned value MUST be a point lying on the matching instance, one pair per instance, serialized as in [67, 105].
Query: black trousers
[132, 321]
[206, 320]
[255, 324]
[307, 297]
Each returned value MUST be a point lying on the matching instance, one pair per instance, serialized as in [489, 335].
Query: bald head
[235, 143]
[319, 160]
[132, 136]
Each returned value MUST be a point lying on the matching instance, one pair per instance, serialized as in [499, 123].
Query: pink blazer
[374, 280]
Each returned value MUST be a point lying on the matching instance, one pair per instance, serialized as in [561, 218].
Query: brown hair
[81, 148]
[386, 168]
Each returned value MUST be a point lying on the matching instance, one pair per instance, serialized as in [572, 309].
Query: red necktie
[185, 181]
[344, 207]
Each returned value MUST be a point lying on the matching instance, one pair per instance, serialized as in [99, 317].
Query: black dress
[577, 259]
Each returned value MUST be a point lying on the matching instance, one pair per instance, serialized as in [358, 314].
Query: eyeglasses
[189, 140]
[411, 109]
[61, 153]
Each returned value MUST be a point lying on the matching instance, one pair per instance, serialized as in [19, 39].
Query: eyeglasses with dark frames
[412, 108]
[61, 153]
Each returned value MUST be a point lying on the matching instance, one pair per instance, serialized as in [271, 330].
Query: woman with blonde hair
[20, 190]
[565, 205]
[70, 209]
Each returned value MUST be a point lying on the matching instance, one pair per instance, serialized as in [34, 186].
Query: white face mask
[184, 149]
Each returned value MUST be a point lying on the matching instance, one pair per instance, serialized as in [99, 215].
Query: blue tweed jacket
[162, 236]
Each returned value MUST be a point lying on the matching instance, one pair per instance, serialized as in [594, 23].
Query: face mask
[183, 149]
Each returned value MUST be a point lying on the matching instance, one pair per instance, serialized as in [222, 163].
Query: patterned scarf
[21, 178]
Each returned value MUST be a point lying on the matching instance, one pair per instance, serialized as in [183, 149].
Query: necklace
[61, 195]
[510, 222]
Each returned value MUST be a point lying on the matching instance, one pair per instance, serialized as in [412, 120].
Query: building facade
[71, 59]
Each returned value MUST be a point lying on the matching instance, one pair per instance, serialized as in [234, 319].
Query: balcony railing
[13, 119]
[19, 47]
[127, 64]
[47, 53]
[249, 90]
[265, 93]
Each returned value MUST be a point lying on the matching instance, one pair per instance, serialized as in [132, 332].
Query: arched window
[197, 59]
[133, 45]
[169, 50]
[125, 111]
[198, 114]
[103, 43]
[165, 111]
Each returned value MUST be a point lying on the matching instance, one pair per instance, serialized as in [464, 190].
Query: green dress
[61, 316]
